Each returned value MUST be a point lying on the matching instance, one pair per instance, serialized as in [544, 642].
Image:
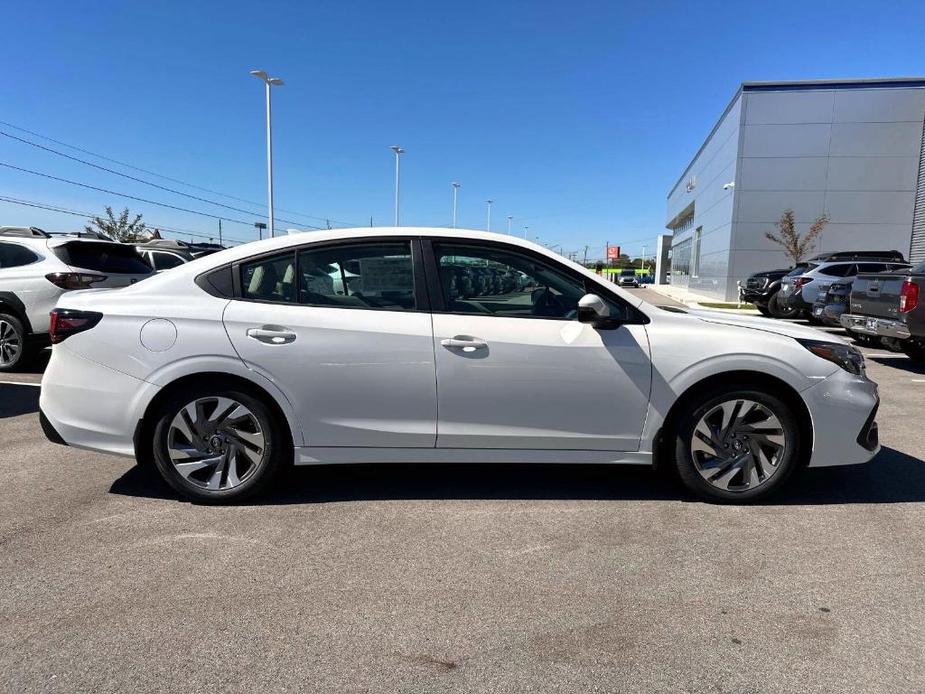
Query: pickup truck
[892, 306]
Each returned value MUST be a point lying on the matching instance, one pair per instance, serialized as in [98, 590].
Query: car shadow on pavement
[899, 362]
[16, 400]
[892, 477]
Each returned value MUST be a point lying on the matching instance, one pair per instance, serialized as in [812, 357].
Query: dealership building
[850, 149]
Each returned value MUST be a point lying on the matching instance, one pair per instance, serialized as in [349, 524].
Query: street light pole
[488, 224]
[510, 218]
[398, 152]
[525, 232]
[455, 192]
[269, 82]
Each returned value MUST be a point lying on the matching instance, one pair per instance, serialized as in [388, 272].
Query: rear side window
[845, 270]
[103, 257]
[375, 275]
[871, 267]
[14, 255]
[357, 275]
[165, 261]
[270, 279]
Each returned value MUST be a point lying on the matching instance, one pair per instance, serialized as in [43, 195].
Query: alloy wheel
[738, 445]
[10, 343]
[216, 443]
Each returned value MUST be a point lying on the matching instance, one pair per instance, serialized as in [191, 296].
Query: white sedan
[224, 370]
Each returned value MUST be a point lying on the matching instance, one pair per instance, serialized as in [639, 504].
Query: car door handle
[272, 335]
[469, 343]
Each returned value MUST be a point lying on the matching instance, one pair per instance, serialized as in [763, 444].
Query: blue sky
[575, 117]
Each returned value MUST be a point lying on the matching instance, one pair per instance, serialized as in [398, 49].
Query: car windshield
[628, 273]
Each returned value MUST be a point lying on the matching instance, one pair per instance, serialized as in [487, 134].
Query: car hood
[768, 325]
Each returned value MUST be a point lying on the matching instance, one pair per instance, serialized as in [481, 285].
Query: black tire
[259, 475]
[779, 310]
[914, 349]
[14, 350]
[790, 453]
[763, 309]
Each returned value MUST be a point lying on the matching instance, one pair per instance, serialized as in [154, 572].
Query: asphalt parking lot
[462, 578]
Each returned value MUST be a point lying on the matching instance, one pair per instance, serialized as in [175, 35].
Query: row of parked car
[37, 267]
[873, 295]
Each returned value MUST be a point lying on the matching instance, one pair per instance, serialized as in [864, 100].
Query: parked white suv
[36, 269]
[444, 346]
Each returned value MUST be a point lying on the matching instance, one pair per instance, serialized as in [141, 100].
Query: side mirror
[594, 310]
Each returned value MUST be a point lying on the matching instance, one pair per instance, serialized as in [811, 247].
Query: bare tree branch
[789, 238]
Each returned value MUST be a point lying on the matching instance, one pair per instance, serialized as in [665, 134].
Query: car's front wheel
[216, 445]
[737, 446]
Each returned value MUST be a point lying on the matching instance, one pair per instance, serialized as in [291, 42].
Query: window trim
[37, 258]
[438, 304]
[421, 298]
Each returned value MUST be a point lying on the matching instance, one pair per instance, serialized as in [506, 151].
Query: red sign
[613, 252]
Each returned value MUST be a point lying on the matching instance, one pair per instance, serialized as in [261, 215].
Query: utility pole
[455, 200]
[525, 232]
[585, 261]
[220, 232]
[269, 82]
[510, 218]
[488, 223]
[398, 152]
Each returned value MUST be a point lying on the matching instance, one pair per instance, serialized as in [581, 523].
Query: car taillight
[801, 282]
[66, 322]
[908, 296]
[73, 280]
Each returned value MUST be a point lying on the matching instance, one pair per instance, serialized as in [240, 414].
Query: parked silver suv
[800, 291]
[36, 268]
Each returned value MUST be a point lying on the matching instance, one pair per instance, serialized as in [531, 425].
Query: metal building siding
[917, 249]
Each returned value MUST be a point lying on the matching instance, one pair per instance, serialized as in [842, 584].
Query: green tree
[118, 228]
[796, 247]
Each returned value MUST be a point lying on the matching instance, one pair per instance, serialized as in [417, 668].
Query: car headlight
[847, 357]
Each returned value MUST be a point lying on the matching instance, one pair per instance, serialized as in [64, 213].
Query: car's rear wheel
[738, 446]
[13, 348]
[216, 445]
[778, 309]
[763, 309]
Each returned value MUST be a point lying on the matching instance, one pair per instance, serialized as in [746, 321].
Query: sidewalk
[695, 300]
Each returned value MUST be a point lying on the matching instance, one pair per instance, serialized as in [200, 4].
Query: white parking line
[20, 383]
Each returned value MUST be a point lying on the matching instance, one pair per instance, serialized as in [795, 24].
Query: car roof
[247, 250]
[205, 263]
